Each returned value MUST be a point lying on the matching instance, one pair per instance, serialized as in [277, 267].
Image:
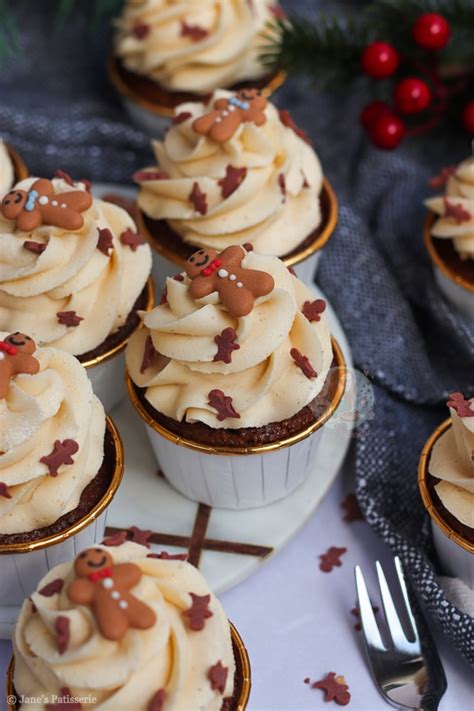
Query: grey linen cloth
[58, 110]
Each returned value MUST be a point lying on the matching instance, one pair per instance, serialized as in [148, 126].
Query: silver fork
[407, 672]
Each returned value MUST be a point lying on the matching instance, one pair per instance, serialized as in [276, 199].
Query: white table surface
[296, 620]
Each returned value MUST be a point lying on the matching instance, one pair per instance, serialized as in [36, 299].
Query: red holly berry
[387, 132]
[468, 117]
[380, 60]
[372, 112]
[412, 95]
[431, 31]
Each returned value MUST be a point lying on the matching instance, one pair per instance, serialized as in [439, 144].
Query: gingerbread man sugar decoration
[40, 205]
[16, 357]
[105, 588]
[237, 286]
[227, 115]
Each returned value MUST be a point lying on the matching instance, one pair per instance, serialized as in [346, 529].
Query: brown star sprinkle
[148, 354]
[157, 701]
[4, 491]
[69, 318]
[178, 277]
[217, 675]
[55, 586]
[225, 342]
[305, 180]
[181, 117]
[287, 120]
[331, 559]
[132, 239]
[292, 271]
[303, 363]
[140, 536]
[35, 247]
[65, 702]
[64, 176]
[462, 406]
[199, 612]
[282, 184]
[223, 404]
[356, 612]
[248, 246]
[61, 454]
[141, 30]
[141, 176]
[335, 689]
[351, 508]
[199, 199]
[116, 539]
[313, 309]
[61, 627]
[194, 32]
[306, 680]
[164, 555]
[457, 211]
[438, 181]
[105, 241]
[233, 178]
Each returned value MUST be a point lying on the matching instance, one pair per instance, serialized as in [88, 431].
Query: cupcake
[235, 374]
[60, 462]
[124, 629]
[12, 168]
[446, 479]
[449, 235]
[236, 172]
[73, 273]
[170, 51]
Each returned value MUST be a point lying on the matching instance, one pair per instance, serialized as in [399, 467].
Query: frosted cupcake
[60, 462]
[122, 629]
[170, 51]
[73, 273]
[236, 360]
[235, 171]
[449, 235]
[12, 168]
[446, 477]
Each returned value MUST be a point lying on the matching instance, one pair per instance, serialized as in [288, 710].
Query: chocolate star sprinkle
[335, 689]
[331, 559]
[232, 180]
[438, 181]
[351, 508]
[61, 627]
[164, 555]
[35, 247]
[181, 117]
[457, 211]
[116, 540]
[462, 406]
[305, 180]
[141, 176]
[132, 239]
[141, 30]
[217, 675]
[194, 32]
[303, 363]
[4, 491]
[157, 701]
[55, 586]
[148, 354]
[178, 277]
[248, 246]
[140, 536]
[69, 318]
[287, 120]
[199, 612]
[199, 199]
[61, 454]
[65, 702]
[226, 345]
[64, 176]
[313, 309]
[356, 612]
[223, 404]
[282, 184]
[105, 241]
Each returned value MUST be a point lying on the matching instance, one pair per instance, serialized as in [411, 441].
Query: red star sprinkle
[141, 30]
[140, 536]
[61, 454]
[141, 176]
[64, 176]
[457, 211]
[199, 612]
[116, 540]
[462, 406]
[132, 239]
[223, 404]
[148, 354]
[438, 181]
[35, 247]
[181, 117]
[65, 702]
[158, 700]
[55, 586]
[287, 120]
[313, 309]
[61, 627]
[199, 199]
[194, 32]
[178, 277]
[233, 178]
[217, 675]
[248, 246]
[305, 180]
[303, 363]
[351, 508]
[331, 559]
[282, 184]
[335, 689]
[356, 612]
[105, 241]
[4, 491]
[226, 345]
[69, 318]
[164, 555]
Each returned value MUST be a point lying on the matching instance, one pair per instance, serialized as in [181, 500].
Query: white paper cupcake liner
[107, 380]
[455, 561]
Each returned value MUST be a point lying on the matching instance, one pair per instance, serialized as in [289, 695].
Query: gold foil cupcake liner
[426, 494]
[19, 167]
[95, 512]
[338, 364]
[437, 261]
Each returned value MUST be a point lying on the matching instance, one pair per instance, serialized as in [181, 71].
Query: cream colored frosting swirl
[55, 404]
[275, 207]
[7, 173]
[459, 192]
[451, 461]
[71, 274]
[262, 378]
[124, 676]
[228, 37]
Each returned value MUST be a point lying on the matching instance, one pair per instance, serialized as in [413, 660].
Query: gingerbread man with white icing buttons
[105, 588]
[40, 205]
[16, 357]
[222, 122]
[237, 286]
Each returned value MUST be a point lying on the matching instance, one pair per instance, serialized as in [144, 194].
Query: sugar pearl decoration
[54, 203]
[222, 273]
[123, 604]
[107, 583]
[43, 200]
[239, 285]
[232, 277]
[115, 595]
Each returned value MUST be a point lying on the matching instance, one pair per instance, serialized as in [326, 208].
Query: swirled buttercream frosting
[7, 173]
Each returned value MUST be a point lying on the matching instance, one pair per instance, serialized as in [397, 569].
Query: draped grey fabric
[58, 110]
